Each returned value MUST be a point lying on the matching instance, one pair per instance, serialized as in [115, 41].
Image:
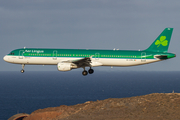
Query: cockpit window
[12, 53]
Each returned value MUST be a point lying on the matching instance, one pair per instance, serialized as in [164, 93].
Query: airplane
[68, 59]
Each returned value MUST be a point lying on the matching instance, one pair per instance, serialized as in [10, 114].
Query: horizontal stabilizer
[161, 56]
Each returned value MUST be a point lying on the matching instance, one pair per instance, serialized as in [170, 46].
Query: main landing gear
[90, 71]
[22, 71]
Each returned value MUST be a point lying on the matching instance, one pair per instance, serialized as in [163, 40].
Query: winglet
[91, 57]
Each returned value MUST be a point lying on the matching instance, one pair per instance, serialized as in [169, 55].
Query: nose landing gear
[22, 71]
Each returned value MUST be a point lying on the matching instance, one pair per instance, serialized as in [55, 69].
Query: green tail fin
[161, 43]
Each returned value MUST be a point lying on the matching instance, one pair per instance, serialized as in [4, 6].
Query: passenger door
[143, 57]
[21, 54]
[97, 55]
[54, 55]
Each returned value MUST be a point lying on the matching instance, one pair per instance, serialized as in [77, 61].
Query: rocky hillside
[156, 106]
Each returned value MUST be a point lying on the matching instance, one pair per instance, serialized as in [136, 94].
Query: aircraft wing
[87, 61]
[79, 62]
[82, 62]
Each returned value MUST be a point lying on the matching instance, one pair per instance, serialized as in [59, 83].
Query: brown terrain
[156, 106]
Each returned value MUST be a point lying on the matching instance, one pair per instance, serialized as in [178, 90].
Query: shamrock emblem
[162, 41]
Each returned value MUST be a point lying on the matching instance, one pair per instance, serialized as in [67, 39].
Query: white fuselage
[95, 61]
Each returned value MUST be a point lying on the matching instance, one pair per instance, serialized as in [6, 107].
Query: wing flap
[82, 62]
[87, 61]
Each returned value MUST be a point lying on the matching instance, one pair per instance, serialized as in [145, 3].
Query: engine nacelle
[64, 66]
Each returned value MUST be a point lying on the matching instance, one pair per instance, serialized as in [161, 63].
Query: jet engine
[64, 66]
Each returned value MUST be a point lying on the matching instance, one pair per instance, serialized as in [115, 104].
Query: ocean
[27, 92]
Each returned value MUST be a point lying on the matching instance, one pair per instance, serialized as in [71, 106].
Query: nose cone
[5, 58]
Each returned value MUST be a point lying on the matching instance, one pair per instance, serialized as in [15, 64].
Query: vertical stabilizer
[161, 44]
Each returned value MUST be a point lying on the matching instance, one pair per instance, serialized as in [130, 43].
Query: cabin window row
[59, 55]
[117, 56]
[77, 55]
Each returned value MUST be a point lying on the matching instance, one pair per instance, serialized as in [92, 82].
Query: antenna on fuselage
[24, 47]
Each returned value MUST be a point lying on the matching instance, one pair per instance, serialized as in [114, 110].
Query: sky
[88, 24]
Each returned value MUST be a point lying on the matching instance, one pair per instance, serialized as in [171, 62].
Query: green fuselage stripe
[81, 53]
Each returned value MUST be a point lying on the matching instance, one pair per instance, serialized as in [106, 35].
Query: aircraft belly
[47, 60]
[126, 62]
[109, 62]
[32, 60]
[42, 61]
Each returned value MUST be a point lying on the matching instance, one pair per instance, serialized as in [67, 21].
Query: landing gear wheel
[84, 72]
[22, 71]
[91, 71]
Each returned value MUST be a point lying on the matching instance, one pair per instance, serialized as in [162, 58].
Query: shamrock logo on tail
[162, 41]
